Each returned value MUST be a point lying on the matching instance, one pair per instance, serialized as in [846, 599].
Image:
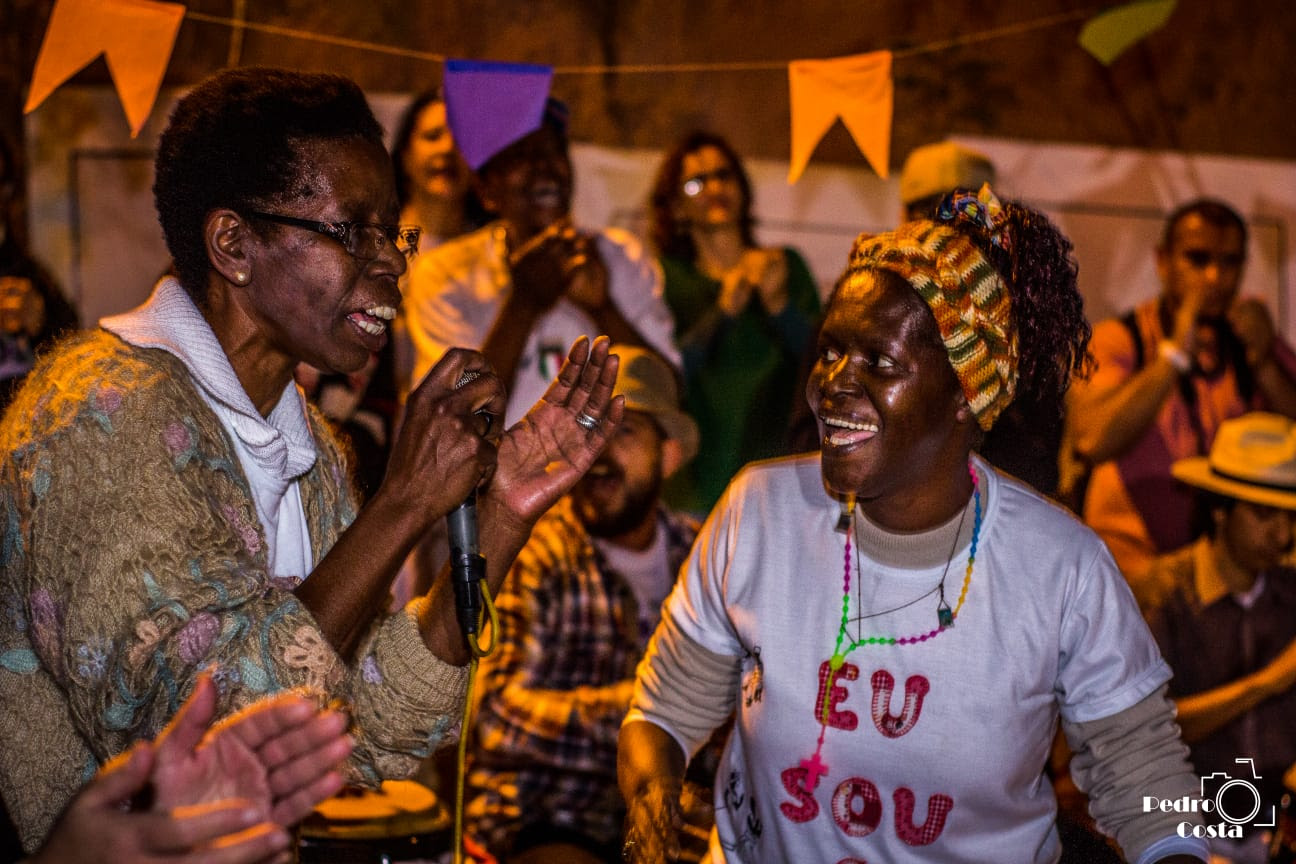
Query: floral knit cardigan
[132, 558]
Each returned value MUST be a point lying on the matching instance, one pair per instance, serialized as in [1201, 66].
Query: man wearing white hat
[1223, 610]
[1164, 375]
[933, 170]
[575, 614]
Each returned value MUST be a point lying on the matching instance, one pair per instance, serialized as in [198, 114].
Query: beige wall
[93, 219]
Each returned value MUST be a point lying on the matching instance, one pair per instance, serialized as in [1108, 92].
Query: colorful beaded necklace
[945, 618]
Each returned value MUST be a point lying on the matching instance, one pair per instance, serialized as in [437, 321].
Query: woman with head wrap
[897, 627]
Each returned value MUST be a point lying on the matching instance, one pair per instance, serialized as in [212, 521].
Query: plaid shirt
[555, 690]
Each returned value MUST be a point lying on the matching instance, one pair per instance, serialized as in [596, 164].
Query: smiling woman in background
[744, 314]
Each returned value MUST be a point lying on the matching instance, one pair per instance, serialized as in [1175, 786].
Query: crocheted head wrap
[965, 292]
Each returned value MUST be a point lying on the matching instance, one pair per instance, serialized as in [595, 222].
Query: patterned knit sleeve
[140, 562]
[405, 700]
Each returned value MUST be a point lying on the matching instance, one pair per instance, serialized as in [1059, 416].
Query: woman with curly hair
[744, 314]
[895, 626]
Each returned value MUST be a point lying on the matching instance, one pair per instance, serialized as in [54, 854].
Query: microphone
[467, 565]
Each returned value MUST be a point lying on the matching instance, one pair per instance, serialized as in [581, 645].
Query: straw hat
[648, 385]
[1252, 459]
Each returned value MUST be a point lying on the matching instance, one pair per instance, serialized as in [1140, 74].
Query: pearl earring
[240, 277]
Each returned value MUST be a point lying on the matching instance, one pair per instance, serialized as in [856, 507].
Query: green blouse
[741, 374]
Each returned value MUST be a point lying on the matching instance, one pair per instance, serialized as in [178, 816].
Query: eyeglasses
[364, 240]
[694, 185]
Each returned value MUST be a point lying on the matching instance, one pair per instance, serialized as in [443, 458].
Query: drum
[402, 822]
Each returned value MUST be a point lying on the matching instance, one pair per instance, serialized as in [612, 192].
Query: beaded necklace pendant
[945, 616]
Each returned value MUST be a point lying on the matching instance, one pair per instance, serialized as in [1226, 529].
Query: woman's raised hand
[767, 269]
[543, 455]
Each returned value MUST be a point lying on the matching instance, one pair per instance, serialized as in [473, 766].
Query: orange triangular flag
[136, 36]
[858, 89]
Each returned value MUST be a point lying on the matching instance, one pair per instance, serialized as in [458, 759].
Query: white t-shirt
[457, 290]
[648, 571]
[934, 751]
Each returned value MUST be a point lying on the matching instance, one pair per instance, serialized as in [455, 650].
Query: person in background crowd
[434, 187]
[745, 314]
[523, 287]
[174, 504]
[1223, 610]
[223, 794]
[433, 182]
[33, 311]
[896, 560]
[575, 615]
[932, 171]
[1165, 376]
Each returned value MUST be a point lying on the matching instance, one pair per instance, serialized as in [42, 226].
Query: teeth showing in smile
[840, 432]
[374, 320]
[847, 424]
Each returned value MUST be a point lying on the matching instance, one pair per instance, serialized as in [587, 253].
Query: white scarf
[273, 450]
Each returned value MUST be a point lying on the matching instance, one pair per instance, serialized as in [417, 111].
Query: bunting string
[136, 37]
[648, 68]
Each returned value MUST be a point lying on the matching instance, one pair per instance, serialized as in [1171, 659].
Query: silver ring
[586, 422]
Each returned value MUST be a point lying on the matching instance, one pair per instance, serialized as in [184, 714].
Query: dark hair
[1212, 212]
[1047, 309]
[668, 235]
[236, 141]
[8, 165]
[474, 214]
[1205, 503]
[13, 230]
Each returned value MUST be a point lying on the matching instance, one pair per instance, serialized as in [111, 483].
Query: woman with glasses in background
[174, 505]
[744, 314]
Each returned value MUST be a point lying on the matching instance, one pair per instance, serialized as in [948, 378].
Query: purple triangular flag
[490, 105]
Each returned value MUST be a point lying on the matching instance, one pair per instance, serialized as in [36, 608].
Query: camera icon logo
[1236, 800]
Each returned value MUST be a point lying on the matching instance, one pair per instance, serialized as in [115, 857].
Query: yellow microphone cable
[478, 652]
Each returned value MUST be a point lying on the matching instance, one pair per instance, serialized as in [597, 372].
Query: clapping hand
[446, 447]
[219, 796]
[759, 271]
[22, 309]
[767, 269]
[559, 261]
[1254, 327]
[654, 823]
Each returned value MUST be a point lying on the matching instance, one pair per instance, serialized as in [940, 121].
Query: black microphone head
[468, 375]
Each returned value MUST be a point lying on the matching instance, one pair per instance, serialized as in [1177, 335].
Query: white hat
[1253, 458]
[648, 385]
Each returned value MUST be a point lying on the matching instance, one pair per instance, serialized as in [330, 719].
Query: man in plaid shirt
[575, 614]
